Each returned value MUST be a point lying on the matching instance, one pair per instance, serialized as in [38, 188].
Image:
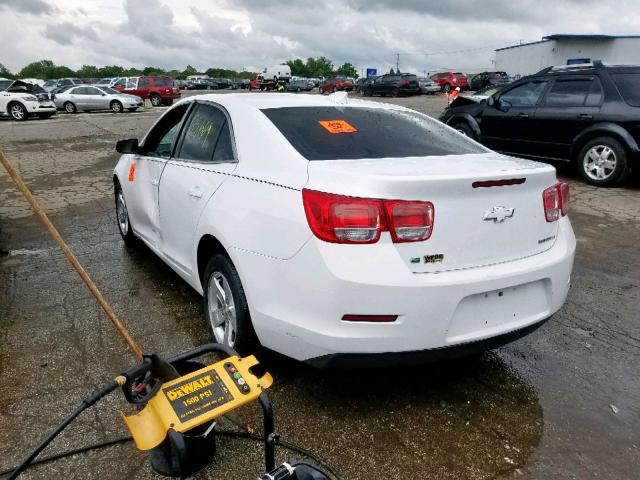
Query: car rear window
[348, 133]
[163, 82]
[629, 86]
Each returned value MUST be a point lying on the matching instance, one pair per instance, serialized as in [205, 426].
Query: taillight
[556, 201]
[409, 221]
[342, 219]
[405, 83]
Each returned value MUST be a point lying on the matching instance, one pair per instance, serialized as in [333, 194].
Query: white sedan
[345, 232]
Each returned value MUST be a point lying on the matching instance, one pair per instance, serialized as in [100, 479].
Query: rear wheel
[446, 88]
[18, 112]
[603, 162]
[395, 92]
[70, 107]
[116, 107]
[155, 99]
[225, 306]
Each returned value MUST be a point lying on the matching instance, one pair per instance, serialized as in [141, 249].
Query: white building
[528, 58]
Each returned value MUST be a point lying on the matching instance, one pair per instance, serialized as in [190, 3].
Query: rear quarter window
[371, 133]
[629, 87]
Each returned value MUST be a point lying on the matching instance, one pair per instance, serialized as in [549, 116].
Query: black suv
[394, 85]
[587, 114]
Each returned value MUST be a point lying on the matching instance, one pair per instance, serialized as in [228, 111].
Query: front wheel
[122, 216]
[225, 306]
[70, 107]
[395, 92]
[603, 162]
[156, 101]
[18, 112]
[116, 106]
[446, 88]
[464, 129]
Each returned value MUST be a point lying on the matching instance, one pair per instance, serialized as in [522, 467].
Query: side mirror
[504, 106]
[129, 145]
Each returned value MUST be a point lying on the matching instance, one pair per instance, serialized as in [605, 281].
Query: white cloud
[254, 33]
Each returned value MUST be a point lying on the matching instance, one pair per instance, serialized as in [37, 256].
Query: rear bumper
[419, 357]
[297, 304]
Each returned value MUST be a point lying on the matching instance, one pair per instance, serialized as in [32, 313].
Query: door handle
[585, 116]
[195, 193]
[523, 115]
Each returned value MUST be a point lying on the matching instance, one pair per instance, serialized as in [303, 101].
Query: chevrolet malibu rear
[367, 234]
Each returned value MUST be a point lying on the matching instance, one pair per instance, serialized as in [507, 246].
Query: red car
[450, 80]
[336, 83]
[159, 90]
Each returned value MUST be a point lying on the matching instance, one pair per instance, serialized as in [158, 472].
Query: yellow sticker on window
[337, 126]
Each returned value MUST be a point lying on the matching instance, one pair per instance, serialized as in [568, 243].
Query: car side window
[524, 95]
[92, 91]
[594, 99]
[568, 93]
[224, 146]
[162, 138]
[80, 91]
[201, 133]
[143, 82]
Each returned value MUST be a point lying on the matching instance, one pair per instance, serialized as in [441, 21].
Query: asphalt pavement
[560, 403]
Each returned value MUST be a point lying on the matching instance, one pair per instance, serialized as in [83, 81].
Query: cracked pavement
[542, 407]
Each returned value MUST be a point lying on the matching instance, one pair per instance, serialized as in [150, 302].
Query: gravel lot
[560, 403]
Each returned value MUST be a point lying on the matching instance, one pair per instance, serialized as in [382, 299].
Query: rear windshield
[348, 133]
[629, 86]
[163, 82]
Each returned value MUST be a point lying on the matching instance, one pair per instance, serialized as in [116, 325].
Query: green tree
[89, 71]
[4, 72]
[111, 71]
[41, 69]
[348, 70]
[298, 68]
[188, 71]
[319, 67]
[153, 71]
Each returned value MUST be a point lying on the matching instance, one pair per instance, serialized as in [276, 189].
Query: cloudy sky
[251, 34]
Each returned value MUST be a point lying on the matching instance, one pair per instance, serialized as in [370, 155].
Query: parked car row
[88, 97]
[584, 114]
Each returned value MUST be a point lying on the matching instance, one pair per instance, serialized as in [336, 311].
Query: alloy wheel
[599, 162]
[122, 214]
[17, 112]
[222, 310]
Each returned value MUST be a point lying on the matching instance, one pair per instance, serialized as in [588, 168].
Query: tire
[70, 107]
[45, 116]
[18, 112]
[225, 306]
[465, 129]
[446, 88]
[122, 216]
[603, 162]
[116, 107]
[395, 92]
[155, 99]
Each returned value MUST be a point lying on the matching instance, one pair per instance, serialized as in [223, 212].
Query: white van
[277, 73]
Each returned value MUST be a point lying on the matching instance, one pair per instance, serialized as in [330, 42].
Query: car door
[570, 105]
[507, 121]
[78, 96]
[205, 157]
[143, 88]
[145, 171]
[95, 99]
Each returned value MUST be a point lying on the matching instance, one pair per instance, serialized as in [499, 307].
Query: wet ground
[560, 403]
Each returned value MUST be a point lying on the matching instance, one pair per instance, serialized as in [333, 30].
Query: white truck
[18, 100]
[277, 73]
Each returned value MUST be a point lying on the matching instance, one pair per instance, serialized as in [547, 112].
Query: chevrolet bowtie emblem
[499, 214]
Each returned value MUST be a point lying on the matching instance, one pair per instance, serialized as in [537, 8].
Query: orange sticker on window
[337, 126]
[132, 172]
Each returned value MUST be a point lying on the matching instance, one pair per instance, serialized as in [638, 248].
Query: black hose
[86, 403]
[223, 433]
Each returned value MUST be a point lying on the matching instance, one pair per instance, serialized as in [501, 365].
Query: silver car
[428, 86]
[88, 97]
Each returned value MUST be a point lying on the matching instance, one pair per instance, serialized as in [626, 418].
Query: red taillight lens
[342, 219]
[405, 83]
[409, 221]
[556, 201]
